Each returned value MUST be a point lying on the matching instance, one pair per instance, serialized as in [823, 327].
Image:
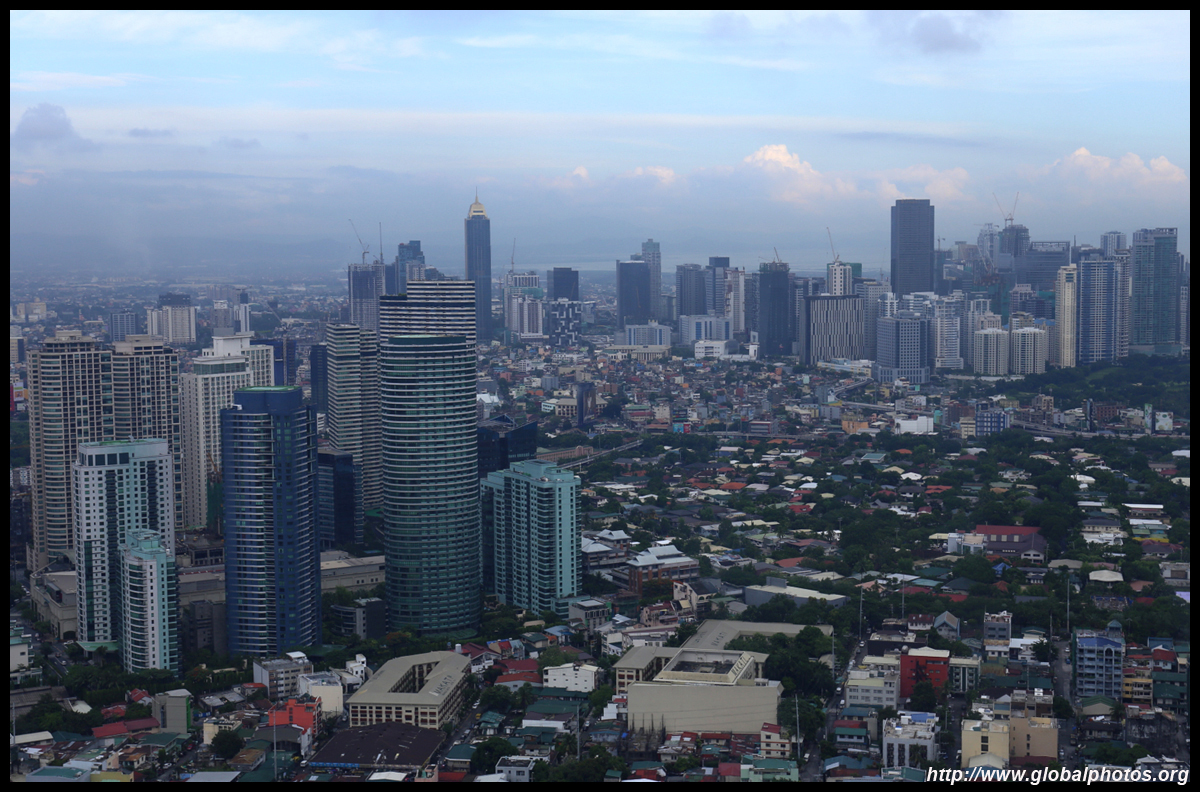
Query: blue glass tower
[272, 562]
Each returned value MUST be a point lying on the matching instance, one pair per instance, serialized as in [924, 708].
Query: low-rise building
[280, 675]
[323, 685]
[516, 769]
[910, 739]
[980, 737]
[1032, 736]
[581, 677]
[873, 688]
[425, 690]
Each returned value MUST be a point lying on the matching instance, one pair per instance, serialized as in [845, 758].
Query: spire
[476, 209]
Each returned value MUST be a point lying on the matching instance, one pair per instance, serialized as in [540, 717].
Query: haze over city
[145, 139]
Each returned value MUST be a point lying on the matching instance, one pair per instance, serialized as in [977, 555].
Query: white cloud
[796, 180]
[1096, 168]
[664, 175]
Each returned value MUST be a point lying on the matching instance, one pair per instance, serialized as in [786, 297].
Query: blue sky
[718, 133]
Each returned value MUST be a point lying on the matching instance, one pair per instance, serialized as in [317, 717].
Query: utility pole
[860, 604]
[797, 701]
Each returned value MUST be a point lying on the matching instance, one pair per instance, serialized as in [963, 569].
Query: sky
[716, 133]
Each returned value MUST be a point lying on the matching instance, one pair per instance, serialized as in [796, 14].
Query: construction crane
[836, 258]
[366, 248]
[1008, 218]
[512, 261]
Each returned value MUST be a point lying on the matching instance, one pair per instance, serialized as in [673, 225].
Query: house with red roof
[1013, 541]
[515, 682]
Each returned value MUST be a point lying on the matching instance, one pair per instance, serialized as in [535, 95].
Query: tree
[1044, 651]
[1062, 708]
[549, 658]
[600, 697]
[526, 695]
[924, 698]
[489, 752]
[226, 744]
[497, 697]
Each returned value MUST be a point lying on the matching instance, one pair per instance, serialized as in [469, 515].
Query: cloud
[209, 30]
[796, 180]
[238, 144]
[665, 176]
[57, 81]
[47, 125]
[28, 177]
[1130, 168]
[941, 186]
[934, 32]
[150, 133]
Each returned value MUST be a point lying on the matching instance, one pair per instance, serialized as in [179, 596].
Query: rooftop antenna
[365, 248]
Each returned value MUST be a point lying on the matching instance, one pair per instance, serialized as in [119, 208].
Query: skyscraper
[535, 527]
[431, 489]
[283, 358]
[1029, 347]
[1111, 242]
[562, 283]
[634, 304]
[339, 500]
[477, 230]
[735, 300]
[774, 310]
[653, 258]
[71, 390]
[912, 246]
[231, 363]
[830, 328]
[991, 352]
[714, 285]
[272, 559]
[119, 487]
[1040, 265]
[366, 283]
[318, 375]
[905, 349]
[564, 322]
[1064, 336]
[433, 308]
[839, 279]
[148, 588]
[397, 275]
[1102, 305]
[175, 324]
[352, 421]
[121, 324]
[689, 290]
[1154, 302]
[870, 291]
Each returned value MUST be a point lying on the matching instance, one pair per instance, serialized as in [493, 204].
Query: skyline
[717, 134]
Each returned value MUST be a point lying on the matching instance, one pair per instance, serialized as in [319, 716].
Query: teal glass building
[430, 484]
[533, 528]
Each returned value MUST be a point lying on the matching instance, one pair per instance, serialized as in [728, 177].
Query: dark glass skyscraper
[562, 283]
[396, 277]
[912, 246]
[634, 304]
[272, 560]
[689, 290]
[339, 501]
[477, 229]
[774, 310]
[1154, 300]
[318, 375]
[431, 484]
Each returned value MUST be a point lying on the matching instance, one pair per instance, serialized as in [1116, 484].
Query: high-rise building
[714, 285]
[912, 246]
[71, 392]
[117, 488]
[434, 308]
[352, 420]
[366, 283]
[431, 486]
[283, 359]
[339, 500]
[870, 291]
[562, 283]
[830, 328]
[839, 279]
[752, 300]
[1064, 336]
[409, 260]
[175, 324]
[1040, 265]
[1014, 242]
[502, 443]
[231, 363]
[1111, 242]
[149, 637]
[535, 526]
[991, 352]
[519, 284]
[121, 324]
[988, 242]
[146, 400]
[477, 230]
[1154, 300]
[689, 290]
[1102, 308]
[564, 322]
[977, 315]
[523, 316]
[735, 300]
[1029, 349]
[318, 374]
[634, 304]
[272, 558]
[774, 310]
[241, 317]
[905, 349]
[653, 258]
[1098, 660]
